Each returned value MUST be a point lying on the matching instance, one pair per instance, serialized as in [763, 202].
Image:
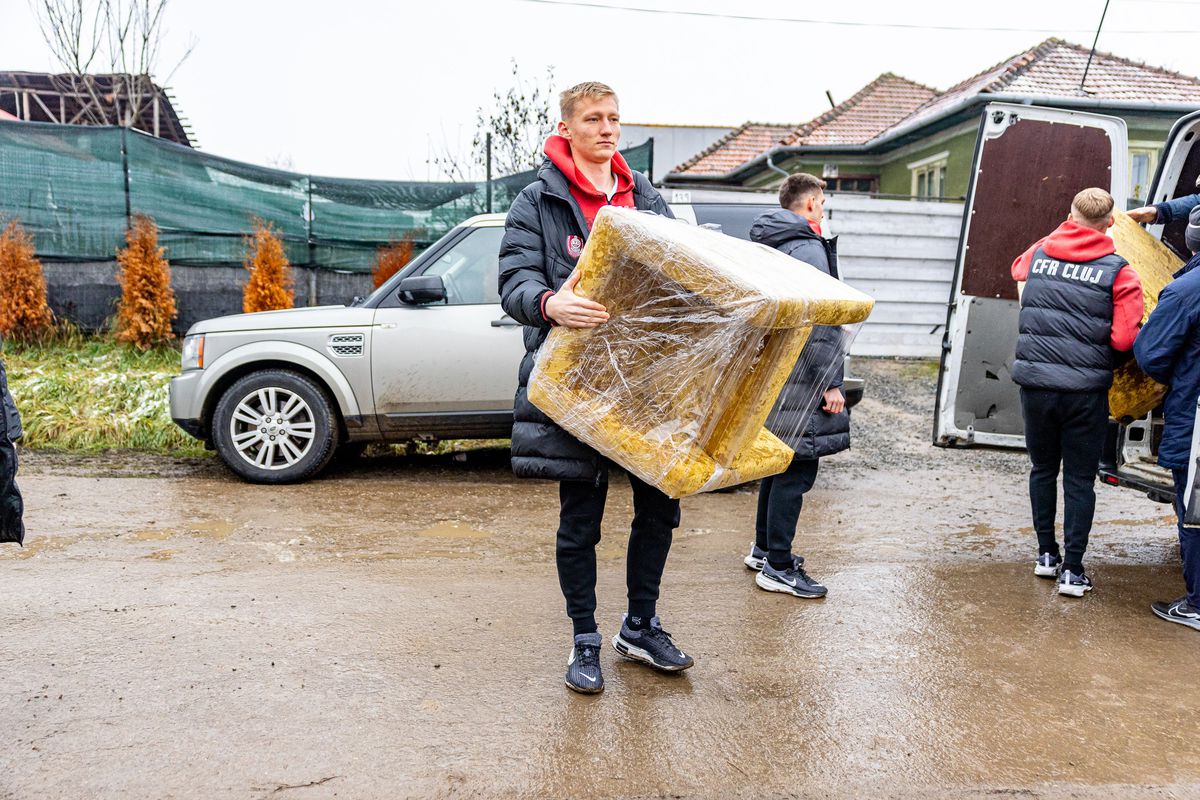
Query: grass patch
[90, 394]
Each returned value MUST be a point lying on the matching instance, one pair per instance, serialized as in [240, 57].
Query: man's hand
[835, 402]
[572, 311]
[1144, 214]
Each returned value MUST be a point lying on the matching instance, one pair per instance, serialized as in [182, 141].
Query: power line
[836, 23]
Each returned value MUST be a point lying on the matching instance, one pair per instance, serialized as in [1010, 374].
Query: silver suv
[429, 355]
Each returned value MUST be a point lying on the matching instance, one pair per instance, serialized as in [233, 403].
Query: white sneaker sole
[775, 586]
[1190, 623]
[635, 653]
[1045, 572]
[753, 563]
[1073, 591]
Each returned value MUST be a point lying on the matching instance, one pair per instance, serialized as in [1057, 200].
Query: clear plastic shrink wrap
[703, 333]
[1134, 394]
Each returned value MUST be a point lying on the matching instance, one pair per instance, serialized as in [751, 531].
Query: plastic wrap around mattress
[704, 331]
[1134, 394]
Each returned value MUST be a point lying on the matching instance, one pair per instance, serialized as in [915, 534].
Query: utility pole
[489, 173]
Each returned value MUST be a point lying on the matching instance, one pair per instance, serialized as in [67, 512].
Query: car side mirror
[421, 289]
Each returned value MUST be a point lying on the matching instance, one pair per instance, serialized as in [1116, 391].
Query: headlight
[193, 352]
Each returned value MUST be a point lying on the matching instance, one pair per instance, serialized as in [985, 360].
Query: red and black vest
[1065, 326]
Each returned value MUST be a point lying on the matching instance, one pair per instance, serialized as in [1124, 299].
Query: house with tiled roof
[899, 138]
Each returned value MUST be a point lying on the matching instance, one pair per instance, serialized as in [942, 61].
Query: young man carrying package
[1168, 350]
[1082, 304]
[795, 229]
[543, 239]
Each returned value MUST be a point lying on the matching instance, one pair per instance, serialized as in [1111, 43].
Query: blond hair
[592, 90]
[1092, 205]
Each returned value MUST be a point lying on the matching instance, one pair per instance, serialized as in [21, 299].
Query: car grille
[346, 345]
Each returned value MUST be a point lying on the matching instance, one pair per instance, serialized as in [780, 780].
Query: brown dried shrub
[390, 259]
[24, 313]
[271, 286]
[147, 306]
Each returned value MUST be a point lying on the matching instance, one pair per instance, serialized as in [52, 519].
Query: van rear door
[1029, 164]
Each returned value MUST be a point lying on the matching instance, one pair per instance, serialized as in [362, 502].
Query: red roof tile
[1054, 69]
[735, 148]
[1051, 69]
[858, 119]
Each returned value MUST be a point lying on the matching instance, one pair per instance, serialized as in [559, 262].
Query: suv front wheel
[275, 426]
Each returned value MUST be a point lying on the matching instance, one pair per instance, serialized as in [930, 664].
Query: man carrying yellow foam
[543, 239]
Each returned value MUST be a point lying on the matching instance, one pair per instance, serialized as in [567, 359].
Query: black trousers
[581, 510]
[780, 498]
[1067, 429]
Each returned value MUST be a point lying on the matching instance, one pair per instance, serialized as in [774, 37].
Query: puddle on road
[453, 530]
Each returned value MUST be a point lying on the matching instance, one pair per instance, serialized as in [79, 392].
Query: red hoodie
[589, 198]
[1078, 244]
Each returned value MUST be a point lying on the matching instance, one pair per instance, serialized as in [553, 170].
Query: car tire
[275, 426]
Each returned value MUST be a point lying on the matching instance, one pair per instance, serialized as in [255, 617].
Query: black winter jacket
[822, 434]
[11, 507]
[545, 226]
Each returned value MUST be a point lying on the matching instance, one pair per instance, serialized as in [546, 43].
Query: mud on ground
[395, 629]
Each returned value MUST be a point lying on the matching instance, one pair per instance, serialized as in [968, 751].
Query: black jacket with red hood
[543, 237]
[1081, 303]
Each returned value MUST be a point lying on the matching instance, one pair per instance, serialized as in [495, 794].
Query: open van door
[1131, 452]
[1177, 175]
[1030, 162]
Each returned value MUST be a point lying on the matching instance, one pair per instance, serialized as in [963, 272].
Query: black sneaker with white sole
[794, 581]
[583, 666]
[758, 557]
[1073, 585]
[651, 646]
[1180, 611]
[1047, 565]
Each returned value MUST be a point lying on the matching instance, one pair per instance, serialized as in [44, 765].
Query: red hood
[1075, 243]
[558, 150]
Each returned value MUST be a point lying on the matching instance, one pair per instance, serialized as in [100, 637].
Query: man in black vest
[1081, 304]
[543, 239]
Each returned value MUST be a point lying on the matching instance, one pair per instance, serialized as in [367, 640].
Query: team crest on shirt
[574, 246]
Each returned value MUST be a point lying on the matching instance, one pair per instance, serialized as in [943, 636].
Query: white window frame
[1154, 151]
[930, 167]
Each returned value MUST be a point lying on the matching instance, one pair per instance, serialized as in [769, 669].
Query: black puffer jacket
[536, 256]
[822, 434]
[11, 507]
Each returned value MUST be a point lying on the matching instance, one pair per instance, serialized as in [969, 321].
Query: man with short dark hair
[1081, 304]
[795, 229]
[543, 239]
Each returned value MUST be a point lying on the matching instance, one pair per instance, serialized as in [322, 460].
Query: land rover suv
[429, 355]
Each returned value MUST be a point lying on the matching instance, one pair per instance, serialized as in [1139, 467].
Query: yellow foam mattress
[703, 331]
[1134, 394]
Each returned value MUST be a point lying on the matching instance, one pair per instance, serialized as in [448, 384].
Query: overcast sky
[371, 89]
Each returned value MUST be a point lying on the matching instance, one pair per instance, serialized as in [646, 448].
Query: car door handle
[505, 322]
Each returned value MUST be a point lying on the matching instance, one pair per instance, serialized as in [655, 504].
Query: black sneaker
[652, 646]
[794, 581]
[1073, 585]
[583, 667]
[1047, 565]
[758, 557]
[1180, 611]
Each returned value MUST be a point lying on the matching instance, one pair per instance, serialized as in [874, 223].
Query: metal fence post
[489, 173]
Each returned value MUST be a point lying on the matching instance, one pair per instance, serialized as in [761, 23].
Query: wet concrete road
[396, 630]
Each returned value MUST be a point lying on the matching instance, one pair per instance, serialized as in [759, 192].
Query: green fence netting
[74, 187]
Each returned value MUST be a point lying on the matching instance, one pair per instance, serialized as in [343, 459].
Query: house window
[929, 176]
[1143, 160]
[853, 183]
